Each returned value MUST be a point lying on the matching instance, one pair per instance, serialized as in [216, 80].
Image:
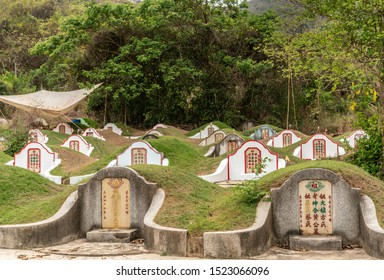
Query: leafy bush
[369, 150]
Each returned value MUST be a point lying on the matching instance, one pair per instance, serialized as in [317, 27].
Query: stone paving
[82, 250]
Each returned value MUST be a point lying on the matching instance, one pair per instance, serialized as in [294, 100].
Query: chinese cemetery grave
[263, 132]
[319, 146]
[284, 139]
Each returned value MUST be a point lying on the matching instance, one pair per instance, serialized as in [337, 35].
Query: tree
[162, 61]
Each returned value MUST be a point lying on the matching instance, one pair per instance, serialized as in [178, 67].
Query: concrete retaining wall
[142, 193]
[252, 241]
[159, 239]
[372, 235]
[285, 203]
[60, 228]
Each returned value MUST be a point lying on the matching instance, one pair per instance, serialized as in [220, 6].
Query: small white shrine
[36, 135]
[242, 163]
[319, 146]
[205, 132]
[354, 137]
[160, 125]
[113, 128]
[153, 132]
[284, 139]
[91, 132]
[63, 128]
[79, 144]
[215, 137]
[141, 152]
[39, 158]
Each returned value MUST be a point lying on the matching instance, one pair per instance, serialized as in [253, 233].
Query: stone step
[315, 243]
[112, 235]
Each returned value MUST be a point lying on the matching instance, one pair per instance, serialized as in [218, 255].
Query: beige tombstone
[315, 201]
[115, 201]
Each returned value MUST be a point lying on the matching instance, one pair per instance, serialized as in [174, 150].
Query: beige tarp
[48, 103]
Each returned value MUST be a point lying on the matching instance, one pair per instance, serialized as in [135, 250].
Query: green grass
[30, 198]
[55, 138]
[219, 124]
[179, 153]
[190, 202]
[194, 204]
[4, 158]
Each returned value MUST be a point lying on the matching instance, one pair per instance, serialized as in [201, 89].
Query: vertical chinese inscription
[315, 201]
[115, 203]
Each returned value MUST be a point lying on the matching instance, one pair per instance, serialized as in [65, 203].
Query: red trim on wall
[314, 138]
[245, 158]
[325, 148]
[255, 141]
[28, 159]
[149, 146]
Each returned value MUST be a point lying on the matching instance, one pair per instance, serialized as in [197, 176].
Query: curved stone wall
[60, 228]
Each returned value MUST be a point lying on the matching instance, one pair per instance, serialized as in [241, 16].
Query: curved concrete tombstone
[345, 208]
[90, 196]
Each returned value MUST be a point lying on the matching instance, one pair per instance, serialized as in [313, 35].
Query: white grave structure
[112, 127]
[154, 132]
[79, 144]
[39, 158]
[160, 125]
[354, 137]
[319, 146]
[140, 152]
[242, 163]
[284, 139]
[63, 128]
[205, 132]
[36, 135]
[215, 137]
[91, 132]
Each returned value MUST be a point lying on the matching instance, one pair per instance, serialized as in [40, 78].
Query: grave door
[315, 200]
[319, 149]
[252, 159]
[139, 156]
[210, 131]
[218, 137]
[265, 133]
[115, 201]
[74, 145]
[34, 163]
[62, 129]
[110, 128]
[287, 139]
[89, 133]
[232, 145]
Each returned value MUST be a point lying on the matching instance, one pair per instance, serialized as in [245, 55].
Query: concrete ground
[82, 250]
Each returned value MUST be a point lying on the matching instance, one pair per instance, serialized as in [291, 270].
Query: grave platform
[315, 243]
[112, 235]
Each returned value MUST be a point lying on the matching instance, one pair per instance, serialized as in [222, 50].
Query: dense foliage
[308, 64]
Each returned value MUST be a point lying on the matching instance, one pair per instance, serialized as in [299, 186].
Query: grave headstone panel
[116, 197]
[311, 197]
[115, 203]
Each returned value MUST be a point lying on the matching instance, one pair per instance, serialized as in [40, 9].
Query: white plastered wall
[306, 150]
[236, 161]
[94, 133]
[204, 132]
[38, 136]
[277, 140]
[84, 147]
[153, 156]
[114, 128]
[212, 139]
[351, 138]
[68, 128]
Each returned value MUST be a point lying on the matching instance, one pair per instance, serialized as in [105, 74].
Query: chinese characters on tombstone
[115, 202]
[315, 201]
